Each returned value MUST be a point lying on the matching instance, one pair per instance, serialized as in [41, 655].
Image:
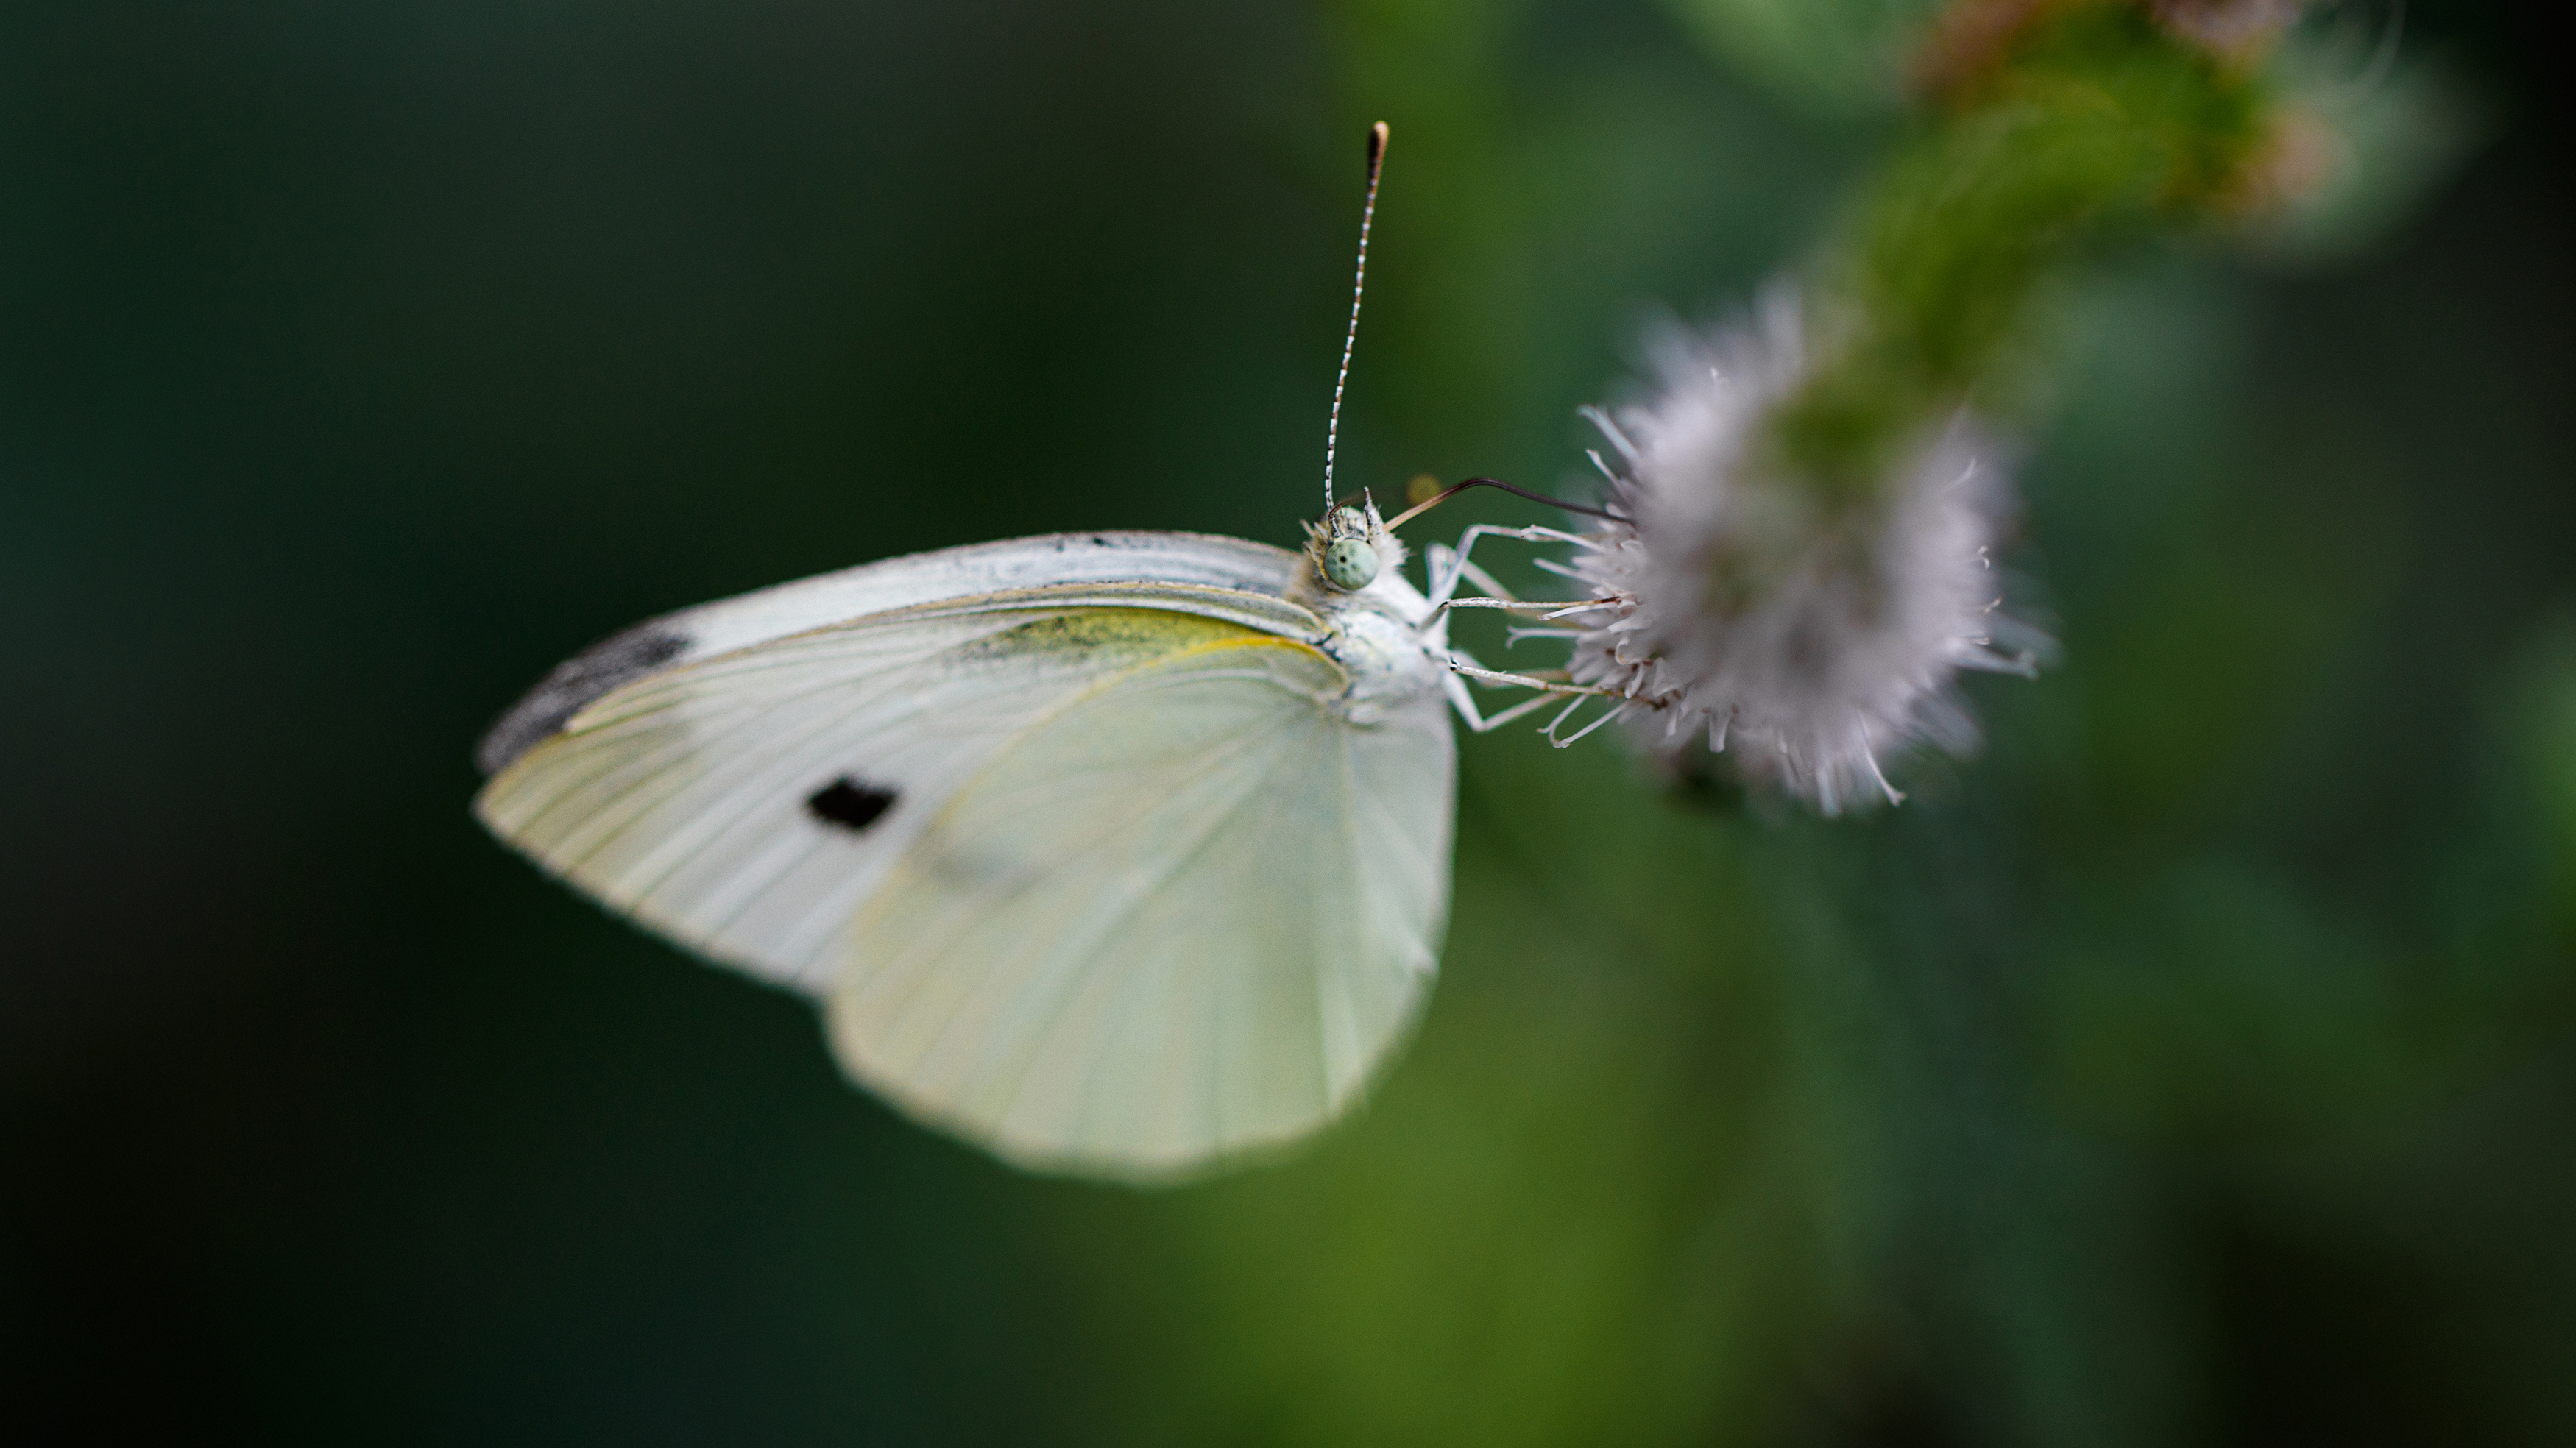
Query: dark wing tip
[574, 685]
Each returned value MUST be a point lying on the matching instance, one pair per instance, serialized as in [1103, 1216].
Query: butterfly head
[1351, 547]
[1348, 562]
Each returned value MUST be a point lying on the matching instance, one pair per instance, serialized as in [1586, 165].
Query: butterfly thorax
[1381, 632]
[1378, 627]
[1376, 636]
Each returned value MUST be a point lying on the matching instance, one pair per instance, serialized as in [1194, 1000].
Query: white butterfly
[1116, 852]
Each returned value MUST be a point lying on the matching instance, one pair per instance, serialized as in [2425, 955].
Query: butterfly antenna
[1359, 281]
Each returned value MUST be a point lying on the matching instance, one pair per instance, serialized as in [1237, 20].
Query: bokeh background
[2197, 1066]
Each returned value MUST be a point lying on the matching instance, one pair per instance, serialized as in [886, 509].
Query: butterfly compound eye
[1349, 564]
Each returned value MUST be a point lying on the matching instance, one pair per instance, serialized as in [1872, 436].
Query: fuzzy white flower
[1807, 638]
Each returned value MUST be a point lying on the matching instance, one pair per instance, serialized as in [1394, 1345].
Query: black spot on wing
[575, 684]
[849, 804]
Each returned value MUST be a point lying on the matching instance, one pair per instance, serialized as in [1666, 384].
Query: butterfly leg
[1462, 668]
[1448, 562]
[1448, 565]
[1479, 721]
[1545, 610]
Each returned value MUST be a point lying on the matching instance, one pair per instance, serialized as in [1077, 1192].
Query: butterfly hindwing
[1184, 915]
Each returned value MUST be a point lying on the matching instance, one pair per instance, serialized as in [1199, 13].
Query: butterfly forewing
[702, 797]
[1187, 560]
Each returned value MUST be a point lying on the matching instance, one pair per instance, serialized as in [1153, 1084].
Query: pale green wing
[1184, 915]
[1184, 560]
[746, 804]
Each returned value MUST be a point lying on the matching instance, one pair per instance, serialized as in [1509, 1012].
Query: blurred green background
[2198, 1066]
